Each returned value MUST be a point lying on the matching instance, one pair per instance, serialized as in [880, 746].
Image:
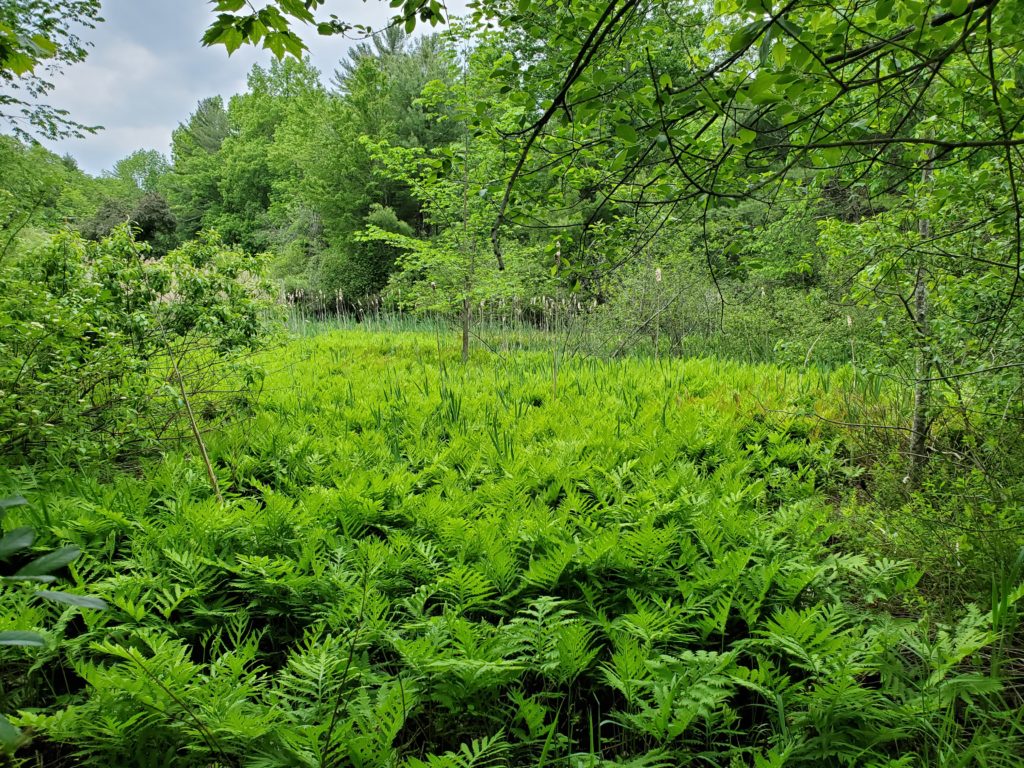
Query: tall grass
[568, 326]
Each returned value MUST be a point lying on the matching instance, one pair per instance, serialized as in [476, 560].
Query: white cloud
[110, 77]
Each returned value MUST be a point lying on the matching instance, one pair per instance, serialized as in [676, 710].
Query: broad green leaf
[10, 737]
[44, 45]
[779, 54]
[762, 90]
[48, 563]
[23, 638]
[19, 63]
[80, 601]
[16, 540]
[764, 50]
[789, 27]
[745, 36]
[297, 9]
[626, 132]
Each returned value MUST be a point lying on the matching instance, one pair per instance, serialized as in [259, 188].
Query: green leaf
[10, 737]
[19, 63]
[746, 136]
[38, 579]
[832, 156]
[789, 27]
[79, 601]
[22, 638]
[779, 54]
[745, 36]
[762, 90]
[764, 50]
[227, 35]
[297, 9]
[13, 501]
[275, 44]
[16, 540]
[626, 132]
[44, 45]
[48, 563]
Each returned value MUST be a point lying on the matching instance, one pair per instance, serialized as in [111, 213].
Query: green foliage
[149, 217]
[271, 25]
[37, 39]
[363, 269]
[550, 559]
[642, 571]
[89, 331]
[143, 169]
[39, 570]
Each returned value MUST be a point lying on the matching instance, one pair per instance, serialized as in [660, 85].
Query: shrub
[94, 335]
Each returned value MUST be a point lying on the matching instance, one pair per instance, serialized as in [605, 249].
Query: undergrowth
[425, 564]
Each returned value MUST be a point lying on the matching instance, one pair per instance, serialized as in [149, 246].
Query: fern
[484, 752]
[423, 568]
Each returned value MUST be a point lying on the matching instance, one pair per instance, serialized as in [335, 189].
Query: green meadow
[631, 562]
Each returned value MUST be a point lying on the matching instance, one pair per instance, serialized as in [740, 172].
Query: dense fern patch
[425, 564]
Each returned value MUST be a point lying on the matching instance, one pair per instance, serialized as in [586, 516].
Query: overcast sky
[147, 71]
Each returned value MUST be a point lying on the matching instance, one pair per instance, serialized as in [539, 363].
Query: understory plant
[102, 344]
[425, 564]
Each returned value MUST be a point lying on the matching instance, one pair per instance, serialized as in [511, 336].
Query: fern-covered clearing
[424, 563]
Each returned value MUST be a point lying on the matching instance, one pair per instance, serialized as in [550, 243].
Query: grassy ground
[526, 561]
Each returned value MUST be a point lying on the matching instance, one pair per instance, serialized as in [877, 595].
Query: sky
[147, 71]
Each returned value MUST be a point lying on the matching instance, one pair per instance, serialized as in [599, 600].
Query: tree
[38, 38]
[30, 189]
[149, 216]
[224, 166]
[818, 85]
[328, 187]
[444, 268]
[193, 185]
[143, 169]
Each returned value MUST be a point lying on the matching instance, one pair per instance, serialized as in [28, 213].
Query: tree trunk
[467, 310]
[918, 447]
